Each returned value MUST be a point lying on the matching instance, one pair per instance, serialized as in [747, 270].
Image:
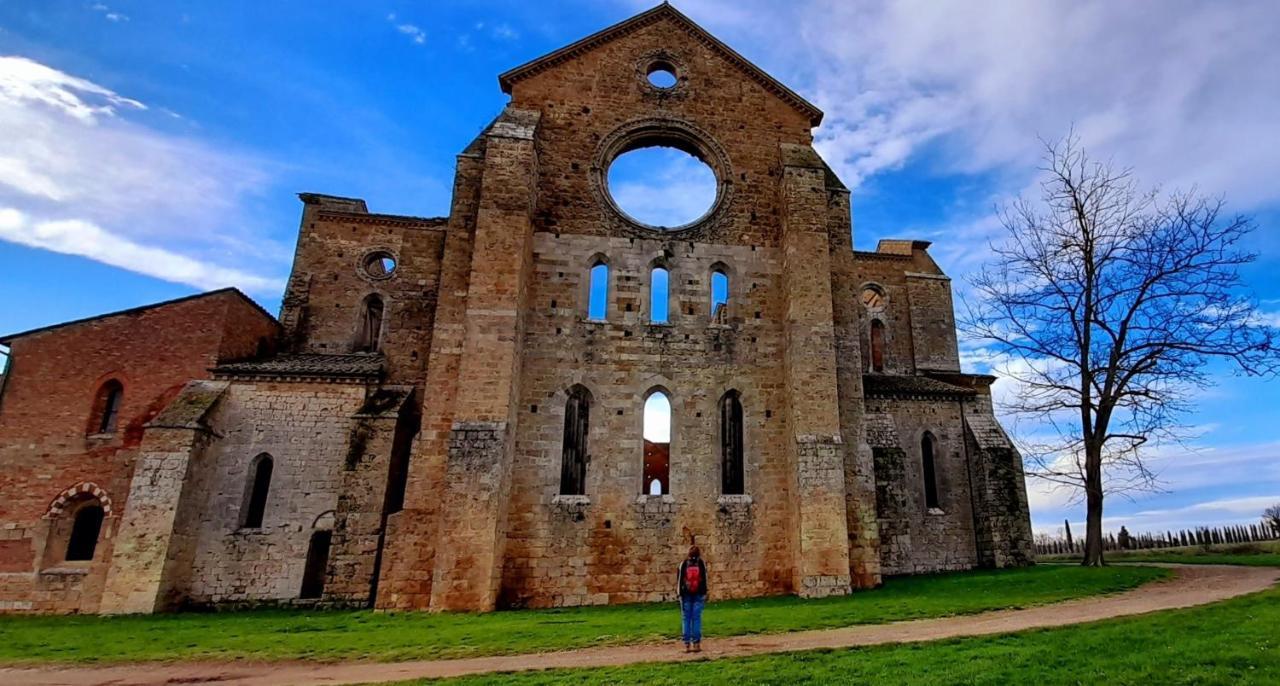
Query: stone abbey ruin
[449, 412]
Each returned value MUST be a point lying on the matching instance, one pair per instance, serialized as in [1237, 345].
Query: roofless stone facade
[450, 413]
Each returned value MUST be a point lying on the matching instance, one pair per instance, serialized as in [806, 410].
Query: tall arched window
[657, 444]
[719, 291]
[658, 295]
[598, 291]
[877, 345]
[369, 338]
[83, 542]
[573, 449]
[731, 464]
[107, 407]
[927, 447]
[256, 499]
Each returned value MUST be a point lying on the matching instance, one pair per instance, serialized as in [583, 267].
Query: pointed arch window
[732, 481]
[573, 451]
[656, 478]
[260, 485]
[719, 292]
[598, 291]
[659, 310]
[877, 345]
[85, 530]
[369, 338]
[928, 446]
[107, 407]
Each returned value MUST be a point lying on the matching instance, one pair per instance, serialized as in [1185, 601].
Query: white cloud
[416, 34]
[662, 186]
[1183, 91]
[86, 179]
[657, 418]
[77, 237]
[505, 32]
[108, 13]
[23, 82]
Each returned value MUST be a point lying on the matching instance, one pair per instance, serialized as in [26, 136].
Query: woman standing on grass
[692, 582]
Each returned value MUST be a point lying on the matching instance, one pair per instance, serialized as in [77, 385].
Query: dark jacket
[684, 591]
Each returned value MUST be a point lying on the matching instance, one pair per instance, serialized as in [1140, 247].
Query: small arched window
[107, 407]
[877, 345]
[369, 338]
[719, 292]
[731, 464]
[573, 451]
[83, 542]
[658, 295]
[259, 486]
[657, 444]
[598, 293]
[927, 447]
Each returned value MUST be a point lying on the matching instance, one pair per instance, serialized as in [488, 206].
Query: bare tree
[1271, 517]
[1109, 302]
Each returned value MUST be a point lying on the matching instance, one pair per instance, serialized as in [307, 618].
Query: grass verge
[347, 635]
[1266, 554]
[1229, 643]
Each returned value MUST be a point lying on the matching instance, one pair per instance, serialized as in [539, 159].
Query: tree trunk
[1093, 507]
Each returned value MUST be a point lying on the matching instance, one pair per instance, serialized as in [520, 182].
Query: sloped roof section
[662, 12]
[7, 339]
[894, 386]
[306, 365]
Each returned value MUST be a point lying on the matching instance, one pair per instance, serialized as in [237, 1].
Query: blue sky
[150, 150]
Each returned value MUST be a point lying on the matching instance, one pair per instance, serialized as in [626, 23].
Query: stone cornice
[396, 220]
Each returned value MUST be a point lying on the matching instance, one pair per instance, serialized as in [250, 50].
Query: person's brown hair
[694, 553]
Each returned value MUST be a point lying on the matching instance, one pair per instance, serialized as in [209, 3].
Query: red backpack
[693, 578]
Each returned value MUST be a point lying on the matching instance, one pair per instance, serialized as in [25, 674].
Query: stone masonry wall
[914, 539]
[305, 428]
[616, 544]
[323, 303]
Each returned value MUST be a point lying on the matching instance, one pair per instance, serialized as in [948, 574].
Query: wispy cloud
[82, 238]
[416, 34]
[86, 179]
[108, 13]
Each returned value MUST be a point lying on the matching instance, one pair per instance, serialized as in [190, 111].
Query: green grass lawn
[1228, 643]
[280, 634]
[1265, 554]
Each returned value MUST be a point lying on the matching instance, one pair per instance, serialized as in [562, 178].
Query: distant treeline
[1123, 540]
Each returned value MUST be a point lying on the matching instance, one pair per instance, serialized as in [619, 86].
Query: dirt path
[1191, 585]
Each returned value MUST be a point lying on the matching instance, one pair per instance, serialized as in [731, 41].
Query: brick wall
[47, 443]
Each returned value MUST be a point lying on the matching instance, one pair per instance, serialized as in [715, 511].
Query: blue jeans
[691, 614]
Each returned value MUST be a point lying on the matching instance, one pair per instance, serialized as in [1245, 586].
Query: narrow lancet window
[108, 406]
[877, 345]
[369, 338]
[598, 296]
[731, 464]
[719, 293]
[573, 452]
[658, 291]
[927, 446]
[657, 444]
[256, 502]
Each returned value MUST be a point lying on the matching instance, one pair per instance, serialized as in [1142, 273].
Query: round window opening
[662, 187]
[380, 264]
[662, 75]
